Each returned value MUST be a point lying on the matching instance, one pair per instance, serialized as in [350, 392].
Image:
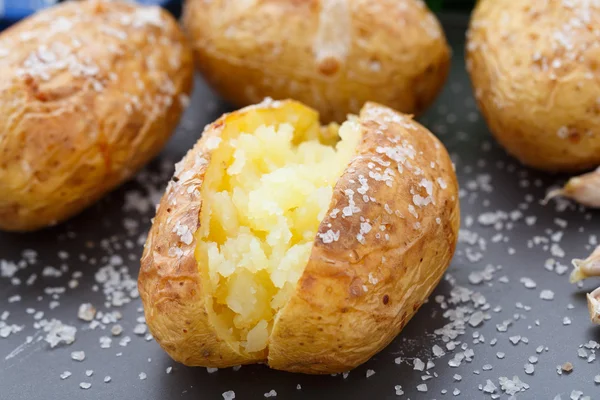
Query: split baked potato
[307, 248]
[333, 55]
[89, 92]
[534, 68]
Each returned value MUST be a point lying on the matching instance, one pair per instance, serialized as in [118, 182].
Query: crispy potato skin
[538, 95]
[89, 92]
[333, 55]
[353, 298]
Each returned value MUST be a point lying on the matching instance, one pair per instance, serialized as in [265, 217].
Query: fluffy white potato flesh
[264, 195]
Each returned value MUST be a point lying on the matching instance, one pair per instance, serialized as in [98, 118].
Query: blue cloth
[12, 11]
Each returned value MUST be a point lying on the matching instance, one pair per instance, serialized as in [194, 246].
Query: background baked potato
[534, 68]
[333, 55]
[308, 248]
[89, 92]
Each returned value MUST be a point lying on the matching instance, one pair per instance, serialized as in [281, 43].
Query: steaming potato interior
[265, 193]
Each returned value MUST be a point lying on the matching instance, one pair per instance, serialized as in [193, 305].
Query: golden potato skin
[533, 66]
[333, 55]
[355, 295]
[89, 92]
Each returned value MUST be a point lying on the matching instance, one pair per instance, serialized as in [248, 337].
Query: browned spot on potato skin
[329, 66]
[574, 136]
[308, 282]
[386, 299]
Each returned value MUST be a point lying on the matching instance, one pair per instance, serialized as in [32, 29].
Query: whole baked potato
[89, 92]
[304, 247]
[534, 68]
[333, 55]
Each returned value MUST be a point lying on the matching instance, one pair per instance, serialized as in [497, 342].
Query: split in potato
[260, 217]
[305, 247]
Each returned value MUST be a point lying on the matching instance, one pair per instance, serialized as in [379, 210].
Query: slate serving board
[504, 226]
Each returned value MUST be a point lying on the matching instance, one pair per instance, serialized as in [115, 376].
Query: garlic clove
[584, 189]
[586, 268]
[593, 300]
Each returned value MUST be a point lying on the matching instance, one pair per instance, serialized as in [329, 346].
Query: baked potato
[304, 247]
[333, 55]
[534, 66]
[89, 92]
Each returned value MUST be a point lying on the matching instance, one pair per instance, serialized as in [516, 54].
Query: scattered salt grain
[85, 385]
[116, 330]
[438, 351]
[399, 391]
[370, 373]
[529, 369]
[547, 294]
[65, 375]
[229, 395]
[418, 365]
[78, 355]
[476, 319]
[512, 386]
[271, 393]
[576, 395]
[489, 387]
[105, 342]
[528, 283]
[57, 333]
[140, 329]
[86, 312]
[142, 376]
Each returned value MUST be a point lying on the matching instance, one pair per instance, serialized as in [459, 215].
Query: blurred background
[12, 11]
[451, 5]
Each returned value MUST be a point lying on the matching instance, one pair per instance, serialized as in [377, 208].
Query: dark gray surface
[34, 372]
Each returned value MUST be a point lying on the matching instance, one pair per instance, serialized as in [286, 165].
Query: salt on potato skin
[533, 65]
[89, 92]
[376, 257]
